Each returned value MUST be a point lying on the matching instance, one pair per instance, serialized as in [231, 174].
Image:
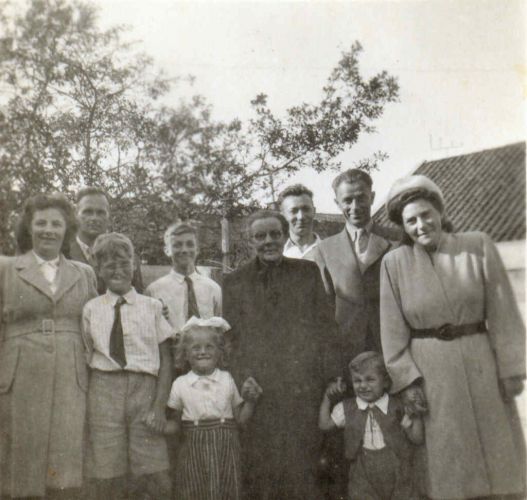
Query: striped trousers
[208, 465]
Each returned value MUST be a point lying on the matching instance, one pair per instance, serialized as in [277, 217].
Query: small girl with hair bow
[207, 408]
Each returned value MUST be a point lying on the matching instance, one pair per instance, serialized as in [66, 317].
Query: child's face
[202, 352]
[116, 272]
[369, 385]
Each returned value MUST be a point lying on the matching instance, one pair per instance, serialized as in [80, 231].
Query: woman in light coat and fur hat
[454, 344]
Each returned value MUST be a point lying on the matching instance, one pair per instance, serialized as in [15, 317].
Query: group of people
[375, 364]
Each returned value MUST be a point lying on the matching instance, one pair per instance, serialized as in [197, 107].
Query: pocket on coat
[81, 368]
[8, 363]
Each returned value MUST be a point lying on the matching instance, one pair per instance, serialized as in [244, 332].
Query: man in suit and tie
[350, 263]
[93, 218]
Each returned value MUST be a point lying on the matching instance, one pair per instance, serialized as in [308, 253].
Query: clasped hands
[251, 390]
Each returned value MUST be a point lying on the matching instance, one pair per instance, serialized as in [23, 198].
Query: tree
[80, 101]
[83, 108]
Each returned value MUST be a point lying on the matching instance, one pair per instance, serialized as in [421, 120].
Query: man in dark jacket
[93, 217]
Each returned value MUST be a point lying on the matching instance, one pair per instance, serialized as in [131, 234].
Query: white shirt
[49, 269]
[144, 328]
[373, 438]
[205, 397]
[293, 251]
[86, 249]
[171, 289]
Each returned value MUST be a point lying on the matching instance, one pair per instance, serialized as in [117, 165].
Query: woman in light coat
[454, 344]
[43, 373]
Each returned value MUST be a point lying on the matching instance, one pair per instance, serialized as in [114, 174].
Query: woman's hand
[414, 401]
[511, 387]
[251, 390]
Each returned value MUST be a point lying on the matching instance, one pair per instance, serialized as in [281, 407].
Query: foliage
[84, 107]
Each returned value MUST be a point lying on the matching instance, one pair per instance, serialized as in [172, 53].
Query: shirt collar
[130, 296]
[290, 243]
[353, 229]
[180, 278]
[86, 249]
[193, 377]
[53, 262]
[381, 403]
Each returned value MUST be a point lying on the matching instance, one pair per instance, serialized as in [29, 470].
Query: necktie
[361, 240]
[192, 304]
[116, 336]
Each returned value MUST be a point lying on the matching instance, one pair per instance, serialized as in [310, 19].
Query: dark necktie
[116, 336]
[192, 309]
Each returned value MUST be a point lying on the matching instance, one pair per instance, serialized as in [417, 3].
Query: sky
[460, 64]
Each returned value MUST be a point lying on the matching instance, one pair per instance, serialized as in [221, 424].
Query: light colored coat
[355, 292]
[43, 375]
[472, 448]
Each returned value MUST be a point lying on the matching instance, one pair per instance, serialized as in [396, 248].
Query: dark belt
[450, 332]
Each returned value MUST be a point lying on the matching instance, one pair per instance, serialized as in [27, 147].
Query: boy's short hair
[368, 359]
[350, 176]
[110, 245]
[180, 357]
[174, 230]
[294, 190]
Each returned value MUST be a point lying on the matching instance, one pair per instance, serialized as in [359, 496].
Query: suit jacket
[355, 293]
[43, 375]
[76, 253]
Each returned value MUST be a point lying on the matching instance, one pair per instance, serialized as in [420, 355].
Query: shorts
[118, 441]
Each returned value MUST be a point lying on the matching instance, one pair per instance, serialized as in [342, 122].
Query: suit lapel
[76, 252]
[29, 270]
[377, 247]
[343, 255]
[68, 275]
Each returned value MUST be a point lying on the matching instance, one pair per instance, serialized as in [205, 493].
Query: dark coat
[76, 253]
[43, 375]
[283, 334]
[356, 294]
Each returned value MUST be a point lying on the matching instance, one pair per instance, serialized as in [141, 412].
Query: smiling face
[47, 230]
[300, 213]
[116, 271]
[184, 251]
[93, 216]
[355, 200]
[370, 384]
[422, 223]
[202, 351]
[268, 239]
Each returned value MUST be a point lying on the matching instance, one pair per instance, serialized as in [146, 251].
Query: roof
[484, 191]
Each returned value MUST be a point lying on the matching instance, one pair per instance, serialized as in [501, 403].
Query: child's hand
[336, 390]
[156, 420]
[251, 390]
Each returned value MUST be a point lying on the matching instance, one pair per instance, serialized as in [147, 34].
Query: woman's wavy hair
[183, 340]
[396, 207]
[43, 202]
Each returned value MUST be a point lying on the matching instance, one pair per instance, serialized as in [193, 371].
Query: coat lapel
[341, 252]
[377, 246]
[68, 275]
[29, 270]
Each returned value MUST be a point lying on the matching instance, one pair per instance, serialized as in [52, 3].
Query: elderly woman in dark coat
[43, 373]
[453, 340]
[283, 335]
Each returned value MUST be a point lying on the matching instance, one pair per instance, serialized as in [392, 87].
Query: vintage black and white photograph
[262, 250]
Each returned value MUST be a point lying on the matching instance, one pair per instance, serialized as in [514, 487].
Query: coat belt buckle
[446, 332]
[48, 326]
